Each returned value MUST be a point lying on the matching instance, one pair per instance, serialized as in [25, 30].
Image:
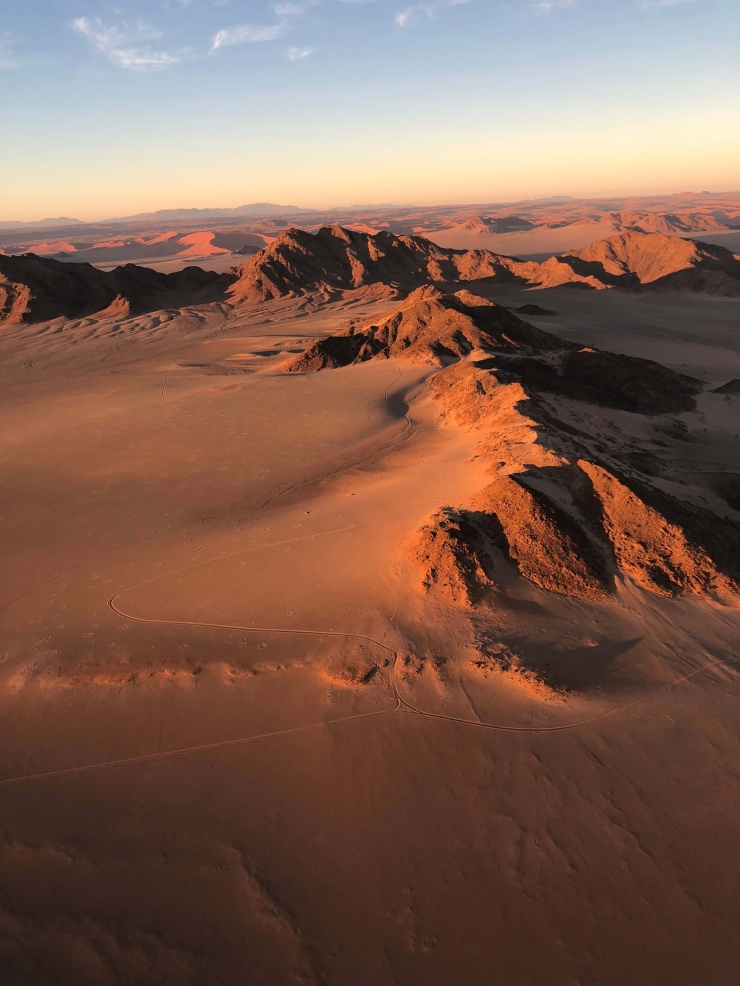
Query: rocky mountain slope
[336, 260]
[669, 223]
[34, 289]
[431, 327]
[635, 259]
[581, 493]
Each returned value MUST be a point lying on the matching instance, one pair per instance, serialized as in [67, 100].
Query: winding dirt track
[401, 705]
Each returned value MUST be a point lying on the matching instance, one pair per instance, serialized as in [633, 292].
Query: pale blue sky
[111, 108]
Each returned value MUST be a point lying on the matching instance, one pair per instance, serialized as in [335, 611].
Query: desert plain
[360, 627]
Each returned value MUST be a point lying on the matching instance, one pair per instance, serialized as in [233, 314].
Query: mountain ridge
[336, 259]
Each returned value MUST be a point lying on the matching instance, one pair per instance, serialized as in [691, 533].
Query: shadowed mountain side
[441, 329]
[635, 259]
[567, 521]
[669, 222]
[625, 383]
[34, 289]
[337, 259]
[731, 387]
[431, 328]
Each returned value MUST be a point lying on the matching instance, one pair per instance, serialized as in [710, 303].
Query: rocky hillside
[336, 259]
[34, 289]
[574, 510]
[431, 327]
[636, 259]
[573, 505]
[669, 222]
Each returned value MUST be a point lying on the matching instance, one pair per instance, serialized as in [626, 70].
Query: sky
[114, 108]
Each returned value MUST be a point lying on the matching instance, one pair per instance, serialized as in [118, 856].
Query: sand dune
[337, 260]
[421, 668]
[563, 550]
[533, 229]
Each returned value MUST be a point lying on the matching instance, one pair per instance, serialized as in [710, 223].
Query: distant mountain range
[41, 223]
[256, 209]
[335, 260]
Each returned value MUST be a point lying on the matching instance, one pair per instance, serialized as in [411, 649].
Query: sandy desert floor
[240, 747]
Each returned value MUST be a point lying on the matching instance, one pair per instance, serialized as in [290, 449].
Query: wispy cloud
[646, 4]
[287, 10]
[124, 44]
[244, 33]
[549, 5]
[404, 17]
[296, 54]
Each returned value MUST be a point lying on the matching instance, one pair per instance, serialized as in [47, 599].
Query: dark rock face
[35, 289]
[432, 328]
[610, 380]
[335, 259]
[731, 387]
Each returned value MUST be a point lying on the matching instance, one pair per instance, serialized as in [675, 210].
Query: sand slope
[605, 521]
[415, 670]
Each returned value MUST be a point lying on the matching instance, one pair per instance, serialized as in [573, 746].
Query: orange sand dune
[418, 669]
[198, 245]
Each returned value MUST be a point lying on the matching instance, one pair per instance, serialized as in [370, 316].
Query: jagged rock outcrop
[440, 329]
[431, 327]
[566, 520]
[549, 548]
[35, 289]
[663, 557]
[451, 556]
[567, 511]
[336, 259]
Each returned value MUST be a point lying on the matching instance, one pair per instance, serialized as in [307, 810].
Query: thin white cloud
[125, 44]
[549, 5]
[296, 54]
[646, 4]
[245, 33]
[404, 17]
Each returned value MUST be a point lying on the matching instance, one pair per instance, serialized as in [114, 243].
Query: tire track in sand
[401, 706]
